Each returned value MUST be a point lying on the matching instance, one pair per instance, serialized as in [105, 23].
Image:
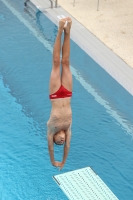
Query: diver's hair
[58, 144]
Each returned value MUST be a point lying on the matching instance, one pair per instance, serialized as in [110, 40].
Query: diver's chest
[62, 122]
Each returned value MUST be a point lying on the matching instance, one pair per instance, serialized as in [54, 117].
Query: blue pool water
[102, 127]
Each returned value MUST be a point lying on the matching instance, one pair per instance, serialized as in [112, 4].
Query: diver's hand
[62, 165]
[58, 164]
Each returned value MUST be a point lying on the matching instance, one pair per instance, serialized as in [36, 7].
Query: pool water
[102, 126]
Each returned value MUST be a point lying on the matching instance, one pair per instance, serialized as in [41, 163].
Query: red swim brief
[61, 93]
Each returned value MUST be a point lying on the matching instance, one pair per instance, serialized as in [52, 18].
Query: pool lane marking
[75, 73]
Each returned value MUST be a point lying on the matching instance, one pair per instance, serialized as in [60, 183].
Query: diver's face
[60, 137]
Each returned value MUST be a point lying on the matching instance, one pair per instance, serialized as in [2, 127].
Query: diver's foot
[68, 27]
[61, 24]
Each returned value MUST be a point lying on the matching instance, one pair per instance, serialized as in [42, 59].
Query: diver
[59, 123]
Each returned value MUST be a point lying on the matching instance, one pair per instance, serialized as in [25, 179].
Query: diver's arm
[51, 147]
[67, 144]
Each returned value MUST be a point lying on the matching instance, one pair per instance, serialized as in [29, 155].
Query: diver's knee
[65, 62]
[56, 62]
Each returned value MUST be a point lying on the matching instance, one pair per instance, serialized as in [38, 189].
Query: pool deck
[102, 53]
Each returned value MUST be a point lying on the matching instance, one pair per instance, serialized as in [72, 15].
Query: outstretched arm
[66, 146]
[50, 147]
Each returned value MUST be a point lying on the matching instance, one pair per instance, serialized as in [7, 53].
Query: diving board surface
[84, 184]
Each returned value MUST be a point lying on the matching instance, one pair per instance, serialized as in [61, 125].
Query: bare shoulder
[68, 131]
[49, 129]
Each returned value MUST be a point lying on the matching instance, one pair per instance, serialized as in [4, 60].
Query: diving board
[84, 184]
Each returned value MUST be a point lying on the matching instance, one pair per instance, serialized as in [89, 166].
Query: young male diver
[59, 123]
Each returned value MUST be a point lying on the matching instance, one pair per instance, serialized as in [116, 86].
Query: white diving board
[84, 184]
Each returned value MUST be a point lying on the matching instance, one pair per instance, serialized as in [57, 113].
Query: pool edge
[104, 56]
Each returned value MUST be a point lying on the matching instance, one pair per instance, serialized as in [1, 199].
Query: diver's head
[60, 137]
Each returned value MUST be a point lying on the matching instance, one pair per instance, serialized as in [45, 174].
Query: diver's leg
[55, 80]
[66, 77]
